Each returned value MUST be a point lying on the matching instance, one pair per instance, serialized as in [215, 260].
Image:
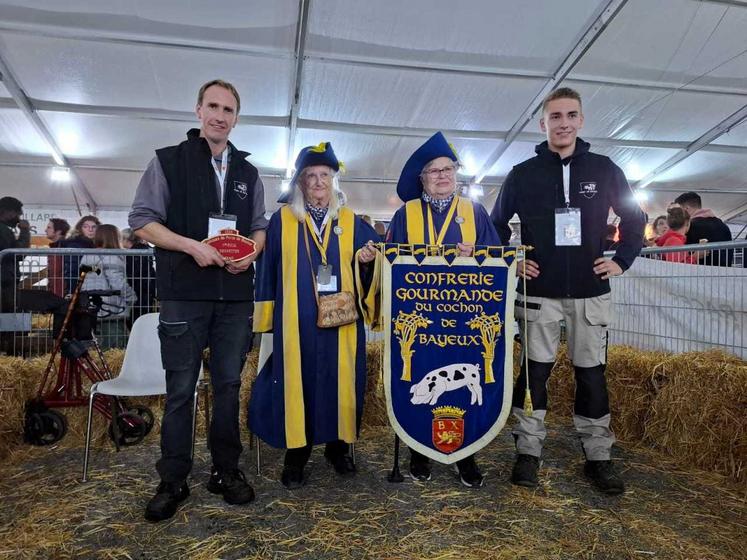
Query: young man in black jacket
[562, 197]
[201, 184]
[705, 225]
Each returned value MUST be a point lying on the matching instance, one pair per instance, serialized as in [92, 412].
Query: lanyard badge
[567, 220]
[326, 281]
[567, 227]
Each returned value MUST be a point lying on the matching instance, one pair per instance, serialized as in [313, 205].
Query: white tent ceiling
[102, 83]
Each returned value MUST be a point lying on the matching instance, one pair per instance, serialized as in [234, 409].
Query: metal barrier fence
[37, 284]
[662, 302]
[668, 302]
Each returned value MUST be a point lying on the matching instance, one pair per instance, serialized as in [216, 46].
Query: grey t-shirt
[152, 199]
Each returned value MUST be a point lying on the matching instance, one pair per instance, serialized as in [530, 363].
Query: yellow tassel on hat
[342, 166]
[320, 148]
[528, 410]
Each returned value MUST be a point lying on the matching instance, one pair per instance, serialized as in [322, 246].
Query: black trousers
[186, 328]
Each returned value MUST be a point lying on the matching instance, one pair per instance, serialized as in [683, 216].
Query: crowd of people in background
[131, 278]
[688, 223]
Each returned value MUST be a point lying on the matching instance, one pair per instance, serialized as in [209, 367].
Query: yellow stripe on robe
[370, 300]
[416, 223]
[263, 316]
[466, 210]
[347, 334]
[295, 421]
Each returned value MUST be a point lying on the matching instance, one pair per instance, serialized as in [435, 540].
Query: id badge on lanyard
[325, 280]
[217, 222]
[567, 227]
[567, 220]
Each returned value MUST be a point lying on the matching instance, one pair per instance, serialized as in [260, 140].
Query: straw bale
[698, 414]
[374, 410]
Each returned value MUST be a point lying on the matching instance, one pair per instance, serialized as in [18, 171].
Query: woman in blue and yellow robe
[434, 214]
[311, 380]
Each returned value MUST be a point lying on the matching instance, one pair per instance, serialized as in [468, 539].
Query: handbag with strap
[334, 310]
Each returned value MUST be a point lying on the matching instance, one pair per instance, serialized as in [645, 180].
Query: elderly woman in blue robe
[311, 380]
[435, 214]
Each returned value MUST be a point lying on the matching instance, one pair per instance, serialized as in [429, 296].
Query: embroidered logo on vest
[241, 189]
[588, 189]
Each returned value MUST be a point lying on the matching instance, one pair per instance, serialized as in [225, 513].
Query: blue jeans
[186, 328]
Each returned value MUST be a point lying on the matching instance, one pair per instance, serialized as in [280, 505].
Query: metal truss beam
[720, 129]
[597, 24]
[301, 34]
[27, 108]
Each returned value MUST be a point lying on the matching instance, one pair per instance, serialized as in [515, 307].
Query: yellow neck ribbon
[325, 242]
[442, 233]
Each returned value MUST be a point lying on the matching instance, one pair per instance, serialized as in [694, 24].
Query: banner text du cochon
[456, 292]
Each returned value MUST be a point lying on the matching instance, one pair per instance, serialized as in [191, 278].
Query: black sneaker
[232, 484]
[342, 463]
[420, 469]
[293, 477]
[168, 496]
[470, 473]
[602, 474]
[525, 471]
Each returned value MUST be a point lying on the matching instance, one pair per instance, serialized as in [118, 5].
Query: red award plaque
[232, 246]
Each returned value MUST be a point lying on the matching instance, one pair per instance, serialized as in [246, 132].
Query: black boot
[232, 484]
[293, 475]
[525, 471]
[469, 472]
[603, 475]
[337, 454]
[167, 498]
[420, 466]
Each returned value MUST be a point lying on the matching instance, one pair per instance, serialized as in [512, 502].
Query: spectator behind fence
[141, 275]
[80, 238]
[678, 222]
[112, 332]
[10, 218]
[56, 231]
[705, 225]
[658, 228]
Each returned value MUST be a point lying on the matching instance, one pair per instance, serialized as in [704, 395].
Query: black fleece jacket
[534, 190]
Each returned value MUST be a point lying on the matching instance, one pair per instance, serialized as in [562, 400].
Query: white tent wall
[109, 81]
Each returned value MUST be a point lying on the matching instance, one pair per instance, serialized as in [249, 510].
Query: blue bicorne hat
[409, 186]
[321, 154]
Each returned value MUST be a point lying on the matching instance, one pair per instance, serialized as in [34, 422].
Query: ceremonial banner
[448, 336]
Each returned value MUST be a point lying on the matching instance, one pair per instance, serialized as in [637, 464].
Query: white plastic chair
[141, 375]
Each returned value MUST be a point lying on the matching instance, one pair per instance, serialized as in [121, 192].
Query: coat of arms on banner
[448, 335]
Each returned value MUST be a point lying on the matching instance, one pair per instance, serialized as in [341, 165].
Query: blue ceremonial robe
[310, 389]
[475, 226]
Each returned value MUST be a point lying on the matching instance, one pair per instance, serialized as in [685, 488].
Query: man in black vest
[187, 191]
